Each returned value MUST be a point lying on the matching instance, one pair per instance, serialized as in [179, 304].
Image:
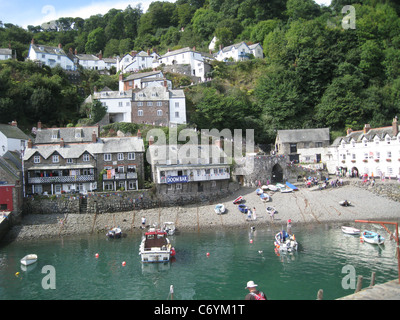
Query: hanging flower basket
[376, 160]
[343, 161]
[389, 160]
[366, 160]
[353, 161]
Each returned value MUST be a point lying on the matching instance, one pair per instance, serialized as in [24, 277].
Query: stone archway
[277, 173]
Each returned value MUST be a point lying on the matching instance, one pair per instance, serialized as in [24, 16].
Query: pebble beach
[305, 206]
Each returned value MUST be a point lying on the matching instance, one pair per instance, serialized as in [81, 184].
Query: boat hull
[156, 256]
[288, 245]
[372, 237]
[29, 259]
[350, 230]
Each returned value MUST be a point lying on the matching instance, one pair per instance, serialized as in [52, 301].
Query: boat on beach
[345, 203]
[273, 188]
[29, 259]
[243, 208]
[285, 242]
[350, 230]
[265, 197]
[271, 210]
[156, 247]
[372, 237]
[238, 200]
[219, 208]
[259, 191]
[114, 233]
[291, 186]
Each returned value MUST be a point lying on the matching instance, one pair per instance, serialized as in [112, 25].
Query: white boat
[285, 242]
[259, 191]
[219, 208]
[286, 190]
[169, 227]
[270, 210]
[372, 237]
[265, 197]
[273, 188]
[350, 230]
[114, 233]
[345, 203]
[29, 259]
[156, 247]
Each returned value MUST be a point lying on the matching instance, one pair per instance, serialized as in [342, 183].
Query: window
[107, 157]
[131, 156]
[120, 104]
[140, 104]
[176, 104]
[388, 140]
[353, 156]
[86, 157]
[108, 186]
[140, 113]
[132, 185]
[377, 154]
[176, 114]
[159, 104]
[159, 113]
[293, 147]
[56, 159]
[179, 186]
[149, 103]
[318, 144]
[36, 159]
[70, 160]
[389, 154]
[120, 156]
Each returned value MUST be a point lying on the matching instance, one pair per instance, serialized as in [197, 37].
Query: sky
[28, 12]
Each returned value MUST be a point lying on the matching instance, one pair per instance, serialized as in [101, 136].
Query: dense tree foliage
[316, 71]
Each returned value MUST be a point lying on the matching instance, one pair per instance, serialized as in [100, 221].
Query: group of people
[251, 214]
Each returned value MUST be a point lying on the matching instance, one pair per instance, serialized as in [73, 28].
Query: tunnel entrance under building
[277, 174]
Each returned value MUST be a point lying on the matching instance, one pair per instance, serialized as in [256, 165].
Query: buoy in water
[96, 255]
[208, 254]
[123, 263]
[251, 240]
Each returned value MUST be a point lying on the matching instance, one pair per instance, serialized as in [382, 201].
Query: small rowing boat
[219, 208]
[372, 237]
[350, 230]
[29, 259]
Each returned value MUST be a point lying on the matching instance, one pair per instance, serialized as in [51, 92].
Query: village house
[198, 64]
[95, 62]
[84, 166]
[371, 151]
[134, 61]
[6, 53]
[10, 176]
[177, 170]
[51, 56]
[140, 80]
[239, 52]
[303, 145]
[12, 138]
[118, 103]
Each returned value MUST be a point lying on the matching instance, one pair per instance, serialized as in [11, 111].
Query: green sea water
[235, 257]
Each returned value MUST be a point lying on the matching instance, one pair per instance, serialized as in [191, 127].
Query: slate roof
[13, 132]
[69, 135]
[303, 135]
[359, 135]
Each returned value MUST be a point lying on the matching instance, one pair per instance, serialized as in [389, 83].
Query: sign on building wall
[177, 179]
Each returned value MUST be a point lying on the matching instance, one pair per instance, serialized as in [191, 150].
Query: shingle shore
[302, 206]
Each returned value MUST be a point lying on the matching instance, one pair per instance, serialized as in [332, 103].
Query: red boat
[238, 200]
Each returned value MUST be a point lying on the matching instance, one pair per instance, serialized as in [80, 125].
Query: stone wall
[106, 202]
[386, 188]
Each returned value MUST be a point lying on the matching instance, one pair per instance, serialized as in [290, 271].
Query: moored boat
[114, 233]
[219, 208]
[169, 227]
[259, 191]
[156, 247]
[372, 237]
[350, 230]
[285, 242]
[29, 259]
[273, 188]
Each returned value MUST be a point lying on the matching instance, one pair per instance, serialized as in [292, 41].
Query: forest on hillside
[316, 72]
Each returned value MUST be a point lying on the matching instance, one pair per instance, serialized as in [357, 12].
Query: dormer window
[388, 139]
[54, 134]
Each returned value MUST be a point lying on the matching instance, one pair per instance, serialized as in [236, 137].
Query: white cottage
[12, 138]
[239, 52]
[51, 56]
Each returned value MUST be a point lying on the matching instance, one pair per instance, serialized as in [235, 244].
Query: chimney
[194, 48]
[76, 51]
[169, 50]
[59, 46]
[62, 144]
[139, 134]
[39, 125]
[395, 126]
[367, 127]
[30, 144]
[100, 55]
[94, 137]
[33, 41]
[151, 140]
[349, 130]
[14, 123]
[71, 51]
[148, 52]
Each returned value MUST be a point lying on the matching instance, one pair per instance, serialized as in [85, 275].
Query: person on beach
[254, 294]
[254, 213]
[143, 222]
[248, 214]
[272, 213]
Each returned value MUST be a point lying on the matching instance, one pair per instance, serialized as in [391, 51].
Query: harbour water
[235, 257]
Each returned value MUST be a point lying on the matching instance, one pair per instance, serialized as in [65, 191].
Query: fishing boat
[243, 208]
[29, 259]
[345, 203]
[273, 188]
[259, 191]
[219, 208]
[238, 200]
[285, 242]
[169, 227]
[291, 186]
[372, 237]
[350, 230]
[114, 233]
[156, 247]
[265, 197]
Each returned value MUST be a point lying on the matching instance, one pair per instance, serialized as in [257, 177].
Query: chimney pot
[367, 127]
[14, 123]
[94, 137]
[62, 143]
[139, 134]
[39, 125]
[30, 144]
[395, 126]
[59, 46]
[349, 130]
